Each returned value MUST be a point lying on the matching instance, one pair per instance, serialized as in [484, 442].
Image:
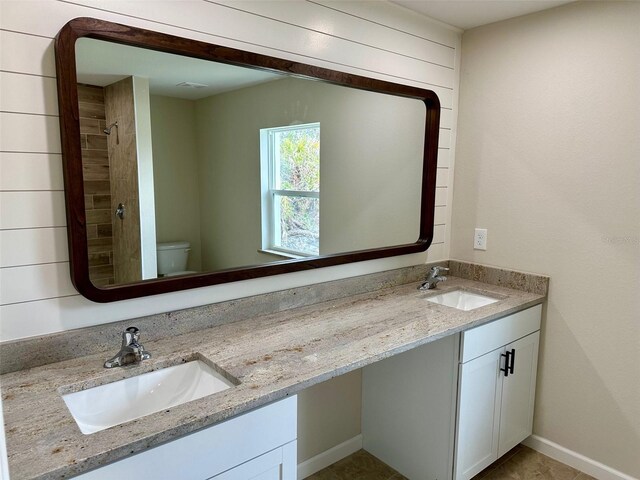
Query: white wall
[548, 159]
[373, 39]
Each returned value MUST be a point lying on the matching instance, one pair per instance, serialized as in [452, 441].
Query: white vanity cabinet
[258, 445]
[445, 410]
[497, 378]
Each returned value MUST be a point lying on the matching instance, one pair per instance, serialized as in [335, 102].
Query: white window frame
[269, 161]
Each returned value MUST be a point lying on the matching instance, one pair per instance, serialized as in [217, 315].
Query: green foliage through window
[299, 160]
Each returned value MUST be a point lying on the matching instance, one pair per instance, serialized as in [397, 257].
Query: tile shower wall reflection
[96, 183]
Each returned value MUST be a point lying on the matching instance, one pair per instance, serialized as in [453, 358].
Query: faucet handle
[437, 269]
[129, 336]
[131, 352]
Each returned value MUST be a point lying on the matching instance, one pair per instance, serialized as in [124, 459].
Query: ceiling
[466, 14]
[102, 63]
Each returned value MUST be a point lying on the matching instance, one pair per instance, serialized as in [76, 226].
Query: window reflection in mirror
[290, 169]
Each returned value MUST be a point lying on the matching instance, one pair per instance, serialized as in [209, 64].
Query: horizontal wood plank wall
[378, 39]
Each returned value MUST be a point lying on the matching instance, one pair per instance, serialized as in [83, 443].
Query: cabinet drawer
[212, 450]
[278, 464]
[485, 338]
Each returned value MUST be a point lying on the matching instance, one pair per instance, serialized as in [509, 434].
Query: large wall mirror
[189, 164]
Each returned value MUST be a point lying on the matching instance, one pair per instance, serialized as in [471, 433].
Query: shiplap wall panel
[444, 139]
[446, 118]
[438, 234]
[27, 17]
[203, 16]
[442, 177]
[377, 39]
[32, 209]
[337, 24]
[441, 196]
[62, 313]
[444, 157]
[23, 53]
[28, 94]
[21, 132]
[437, 251]
[440, 216]
[33, 246]
[445, 95]
[445, 122]
[30, 171]
[35, 282]
[403, 20]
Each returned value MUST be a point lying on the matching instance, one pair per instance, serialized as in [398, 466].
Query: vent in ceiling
[191, 85]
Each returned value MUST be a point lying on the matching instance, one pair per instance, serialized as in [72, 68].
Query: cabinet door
[278, 464]
[518, 393]
[478, 414]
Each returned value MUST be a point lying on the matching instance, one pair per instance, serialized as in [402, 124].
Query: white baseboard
[328, 457]
[542, 445]
[575, 460]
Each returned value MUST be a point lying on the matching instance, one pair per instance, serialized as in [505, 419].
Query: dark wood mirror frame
[72, 157]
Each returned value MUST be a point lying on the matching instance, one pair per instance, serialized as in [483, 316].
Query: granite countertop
[272, 356]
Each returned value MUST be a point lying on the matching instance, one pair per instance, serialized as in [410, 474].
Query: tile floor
[359, 466]
[521, 463]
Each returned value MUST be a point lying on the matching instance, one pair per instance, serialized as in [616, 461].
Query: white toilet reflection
[173, 258]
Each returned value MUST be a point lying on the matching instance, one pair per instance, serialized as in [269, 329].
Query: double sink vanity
[441, 396]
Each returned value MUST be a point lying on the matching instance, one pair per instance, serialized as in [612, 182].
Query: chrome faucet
[433, 278]
[131, 351]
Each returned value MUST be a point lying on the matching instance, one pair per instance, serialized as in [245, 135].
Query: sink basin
[462, 300]
[108, 405]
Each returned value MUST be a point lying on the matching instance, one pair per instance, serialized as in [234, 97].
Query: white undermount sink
[108, 405]
[462, 300]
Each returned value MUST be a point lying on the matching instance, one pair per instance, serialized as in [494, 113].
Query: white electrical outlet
[480, 239]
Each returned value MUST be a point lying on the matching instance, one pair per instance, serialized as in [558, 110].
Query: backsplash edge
[528, 282]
